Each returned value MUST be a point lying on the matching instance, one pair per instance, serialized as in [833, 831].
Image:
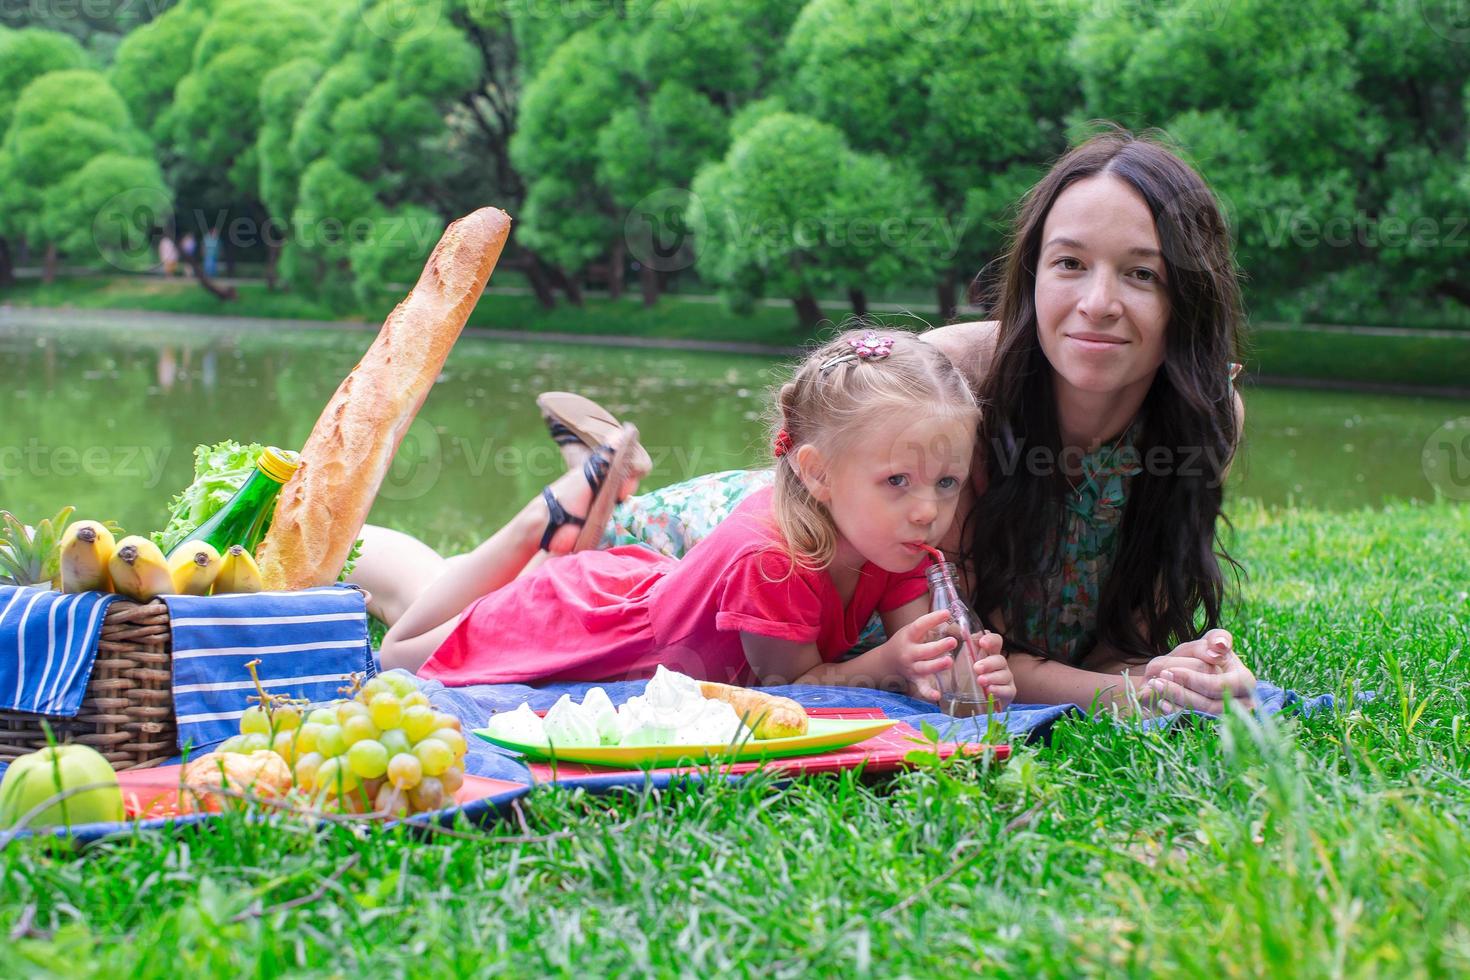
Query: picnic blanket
[54, 642]
[1024, 722]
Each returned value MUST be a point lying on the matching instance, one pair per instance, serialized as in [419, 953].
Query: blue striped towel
[48, 643]
[308, 642]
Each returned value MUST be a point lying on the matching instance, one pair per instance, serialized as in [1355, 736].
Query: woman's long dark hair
[1165, 585]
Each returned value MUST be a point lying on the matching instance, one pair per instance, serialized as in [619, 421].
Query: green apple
[34, 778]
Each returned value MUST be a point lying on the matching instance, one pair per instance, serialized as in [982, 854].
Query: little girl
[872, 451]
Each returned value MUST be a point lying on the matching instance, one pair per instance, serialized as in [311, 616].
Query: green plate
[823, 734]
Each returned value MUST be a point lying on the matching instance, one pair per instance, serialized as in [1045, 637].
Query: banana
[237, 572]
[139, 570]
[194, 568]
[85, 550]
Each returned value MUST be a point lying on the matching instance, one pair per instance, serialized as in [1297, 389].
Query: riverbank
[1431, 362]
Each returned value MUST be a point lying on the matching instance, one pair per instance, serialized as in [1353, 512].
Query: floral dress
[1060, 608]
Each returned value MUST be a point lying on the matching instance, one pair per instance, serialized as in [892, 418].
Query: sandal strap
[595, 468]
[560, 434]
[558, 517]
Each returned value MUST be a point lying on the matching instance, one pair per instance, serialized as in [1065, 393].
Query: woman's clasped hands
[1198, 675]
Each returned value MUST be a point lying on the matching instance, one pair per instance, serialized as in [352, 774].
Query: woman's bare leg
[393, 569]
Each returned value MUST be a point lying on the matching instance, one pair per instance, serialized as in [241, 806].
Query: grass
[1439, 362]
[1334, 844]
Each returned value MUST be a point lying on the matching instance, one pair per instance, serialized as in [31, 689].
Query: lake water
[107, 421]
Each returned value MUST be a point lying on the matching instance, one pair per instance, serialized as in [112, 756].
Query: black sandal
[595, 469]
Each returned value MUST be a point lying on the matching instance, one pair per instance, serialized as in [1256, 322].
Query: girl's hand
[993, 670]
[917, 659]
[1198, 674]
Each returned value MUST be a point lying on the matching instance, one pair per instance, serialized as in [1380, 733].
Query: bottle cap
[278, 464]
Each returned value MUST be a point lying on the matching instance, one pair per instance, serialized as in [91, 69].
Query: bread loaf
[323, 506]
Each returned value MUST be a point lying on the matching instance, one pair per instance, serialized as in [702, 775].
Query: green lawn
[1330, 845]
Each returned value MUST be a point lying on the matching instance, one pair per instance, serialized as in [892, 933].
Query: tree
[26, 55]
[70, 135]
[1332, 131]
[969, 94]
[790, 210]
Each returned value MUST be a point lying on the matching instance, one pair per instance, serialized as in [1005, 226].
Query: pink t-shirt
[618, 614]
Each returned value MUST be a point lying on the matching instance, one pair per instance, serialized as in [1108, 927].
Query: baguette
[767, 715]
[323, 506]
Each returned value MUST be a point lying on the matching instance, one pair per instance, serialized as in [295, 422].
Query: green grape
[428, 795]
[405, 770]
[306, 737]
[434, 755]
[286, 717]
[284, 745]
[415, 697]
[255, 721]
[372, 689]
[232, 744]
[401, 684]
[368, 758]
[336, 778]
[395, 741]
[308, 764]
[453, 739]
[254, 742]
[418, 721]
[453, 779]
[357, 728]
[323, 716]
[391, 801]
[386, 710]
[442, 719]
[350, 709]
[330, 742]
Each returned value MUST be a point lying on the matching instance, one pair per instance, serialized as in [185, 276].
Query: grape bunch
[384, 750]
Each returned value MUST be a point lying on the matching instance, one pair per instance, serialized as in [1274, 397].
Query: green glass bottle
[246, 518]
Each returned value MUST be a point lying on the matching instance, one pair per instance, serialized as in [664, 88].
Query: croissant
[767, 715]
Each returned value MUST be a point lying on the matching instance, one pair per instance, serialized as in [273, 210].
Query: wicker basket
[128, 709]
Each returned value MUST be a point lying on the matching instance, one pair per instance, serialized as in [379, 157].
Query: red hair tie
[782, 445]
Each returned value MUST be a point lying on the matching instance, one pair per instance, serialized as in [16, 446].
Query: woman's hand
[1198, 674]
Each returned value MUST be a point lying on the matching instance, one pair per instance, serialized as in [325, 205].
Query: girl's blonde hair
[834, 397]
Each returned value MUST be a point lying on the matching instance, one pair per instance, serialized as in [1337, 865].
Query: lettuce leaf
[219, 471]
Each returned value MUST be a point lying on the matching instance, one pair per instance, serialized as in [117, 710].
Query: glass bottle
[247, 516]
[960, 695]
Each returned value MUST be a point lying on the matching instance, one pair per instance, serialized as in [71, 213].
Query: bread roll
[767, 715]
[323, 506]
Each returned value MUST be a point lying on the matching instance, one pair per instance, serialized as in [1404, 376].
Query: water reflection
[131, 408]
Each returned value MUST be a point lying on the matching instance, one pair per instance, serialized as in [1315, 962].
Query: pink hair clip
[872, 346]
[869, 347]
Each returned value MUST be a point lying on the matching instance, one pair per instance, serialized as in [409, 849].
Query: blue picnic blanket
[1024, 722]
[307, 642]
[48, 643]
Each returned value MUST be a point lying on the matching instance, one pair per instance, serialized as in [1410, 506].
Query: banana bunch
[92, 561]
